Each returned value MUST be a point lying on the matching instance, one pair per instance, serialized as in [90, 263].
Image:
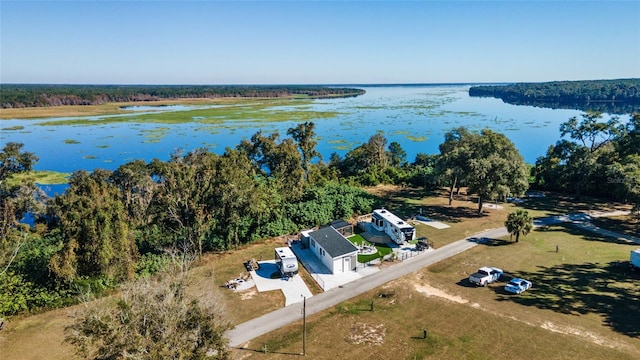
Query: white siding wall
[337, 265]
[325, 257]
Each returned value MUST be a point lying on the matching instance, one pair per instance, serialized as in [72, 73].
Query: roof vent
[399, 222]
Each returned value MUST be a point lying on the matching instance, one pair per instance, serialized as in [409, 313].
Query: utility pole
[304, 326]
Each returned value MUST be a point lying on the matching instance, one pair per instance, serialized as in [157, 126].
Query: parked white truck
[485, 276]
[634, 259]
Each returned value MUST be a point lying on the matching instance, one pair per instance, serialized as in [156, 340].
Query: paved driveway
[294, 288]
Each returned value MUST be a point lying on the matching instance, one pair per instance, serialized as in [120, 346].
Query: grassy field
[581, 306]
[583, 303]
[463, 215]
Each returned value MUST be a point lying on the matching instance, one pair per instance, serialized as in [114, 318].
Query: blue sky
[303, 42]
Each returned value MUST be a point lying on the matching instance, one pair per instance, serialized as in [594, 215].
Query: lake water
[414, 116]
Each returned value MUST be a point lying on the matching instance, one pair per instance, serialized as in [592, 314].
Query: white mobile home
[286, 261]
[397, 229]
[334, 251]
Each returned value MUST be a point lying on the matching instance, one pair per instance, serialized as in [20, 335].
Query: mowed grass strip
[582, 305]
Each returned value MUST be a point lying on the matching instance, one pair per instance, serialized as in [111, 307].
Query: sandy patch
[248, 295]
[492, 206]
[240, 284]
[594, 338]
[368, 334]
[567, 330]
[431, 291]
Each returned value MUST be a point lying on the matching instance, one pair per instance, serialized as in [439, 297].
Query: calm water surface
[415, 116]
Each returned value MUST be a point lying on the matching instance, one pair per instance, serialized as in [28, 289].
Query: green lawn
[383, 250]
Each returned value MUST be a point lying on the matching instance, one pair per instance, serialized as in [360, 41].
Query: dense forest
[113, 226]
[620, 96]
[594, 157]
[27, 95]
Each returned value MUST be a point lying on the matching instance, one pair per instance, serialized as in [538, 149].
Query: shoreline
[116, 108]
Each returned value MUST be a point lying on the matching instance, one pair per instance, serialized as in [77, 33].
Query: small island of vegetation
[619, 96]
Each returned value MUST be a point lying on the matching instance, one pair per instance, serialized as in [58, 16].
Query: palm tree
[519, 223]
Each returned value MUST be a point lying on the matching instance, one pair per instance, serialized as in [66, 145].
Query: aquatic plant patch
[416, 138]
[39, 177]
[13, 128]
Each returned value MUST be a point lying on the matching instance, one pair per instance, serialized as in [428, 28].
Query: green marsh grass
[39, 177]
[416, 138]
[13, 128]
[272, 110]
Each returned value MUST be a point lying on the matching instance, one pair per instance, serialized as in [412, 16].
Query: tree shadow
[627, 225]
[558, 204]
[397, 201]
[490, 241]
[582, 233]
[466, 283]
[451, 214]
[610, 290]
[498, 242]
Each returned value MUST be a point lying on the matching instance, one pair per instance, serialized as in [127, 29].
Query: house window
[313, 243]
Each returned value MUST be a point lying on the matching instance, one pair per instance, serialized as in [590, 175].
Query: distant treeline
[620, 96]
[32, 95]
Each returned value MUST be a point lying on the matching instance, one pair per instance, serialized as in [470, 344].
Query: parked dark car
[423, 244]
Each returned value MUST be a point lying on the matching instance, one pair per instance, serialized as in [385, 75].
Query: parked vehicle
[517, 285]
[423, 244]
[634, 259]
[286, 261]
[485, 276]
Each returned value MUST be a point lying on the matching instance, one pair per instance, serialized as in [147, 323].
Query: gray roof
[333, 242]
[337, 224]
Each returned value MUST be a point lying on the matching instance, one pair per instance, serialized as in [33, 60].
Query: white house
[334, 250]
[397, 229]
